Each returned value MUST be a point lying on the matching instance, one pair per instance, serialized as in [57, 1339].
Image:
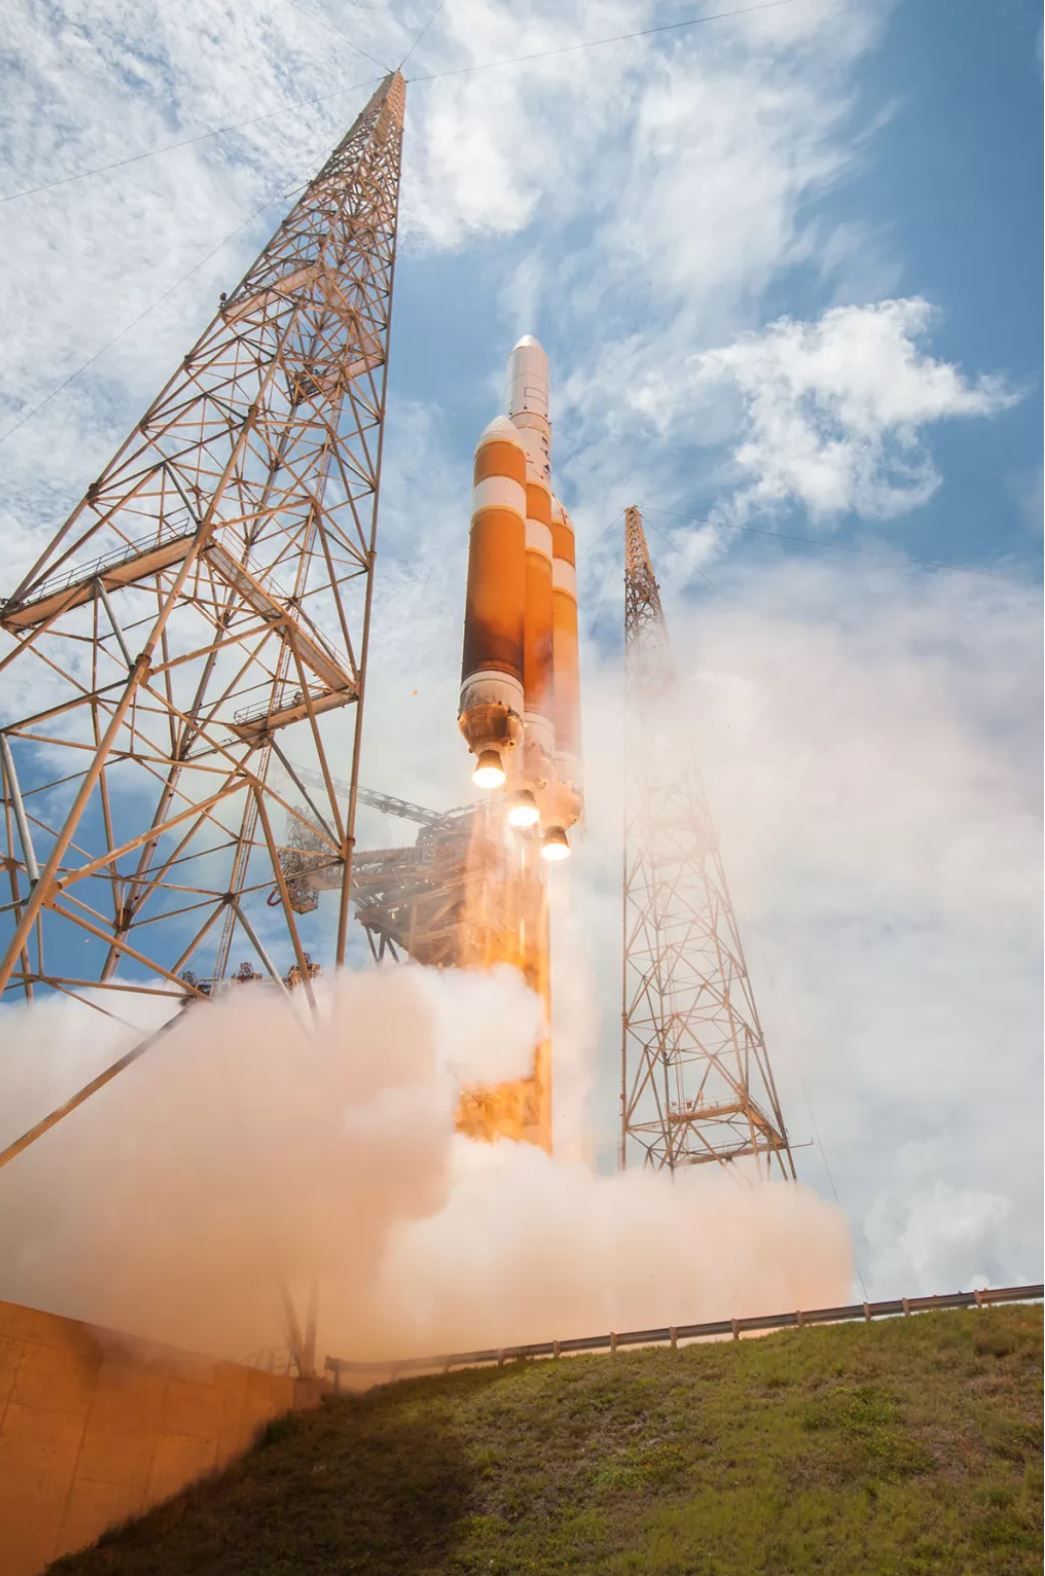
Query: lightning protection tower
[203, 612]
[696, 1084]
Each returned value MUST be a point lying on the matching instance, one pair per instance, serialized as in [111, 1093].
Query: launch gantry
[409, 900]
[203, 612]
[696, 1082]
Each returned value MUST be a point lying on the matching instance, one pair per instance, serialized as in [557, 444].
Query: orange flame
[505, 920]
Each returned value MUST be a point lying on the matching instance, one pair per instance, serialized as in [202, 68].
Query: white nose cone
[527, 401]
[528, 379]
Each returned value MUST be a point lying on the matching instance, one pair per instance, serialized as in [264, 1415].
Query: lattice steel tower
[696, 1084]
[203, 614]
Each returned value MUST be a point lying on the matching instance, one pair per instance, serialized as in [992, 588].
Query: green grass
[896, 1449]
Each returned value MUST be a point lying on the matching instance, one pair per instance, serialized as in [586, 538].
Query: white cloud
[834, 412]
[674, 171]
[488, 153]
[722, 157]
[722, 175]
[522, 293]
[947, 1239]
[83, 260]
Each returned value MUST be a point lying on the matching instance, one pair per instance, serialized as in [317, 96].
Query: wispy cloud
[833, 413]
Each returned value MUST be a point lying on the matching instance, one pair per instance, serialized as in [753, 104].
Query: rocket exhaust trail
[519, 713]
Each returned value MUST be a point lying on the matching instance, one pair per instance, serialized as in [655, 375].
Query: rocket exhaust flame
[505, 921]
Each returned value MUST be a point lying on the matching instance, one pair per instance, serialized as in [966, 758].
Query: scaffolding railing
[170, 530]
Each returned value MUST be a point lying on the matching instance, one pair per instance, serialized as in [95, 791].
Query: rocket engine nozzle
[523, 811]
[489, 773]
[555, 845]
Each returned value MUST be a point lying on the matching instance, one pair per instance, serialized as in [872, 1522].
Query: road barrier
[672, 1334]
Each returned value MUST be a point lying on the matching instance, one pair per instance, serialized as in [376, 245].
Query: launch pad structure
[409, 900]
[192, 649]
[209, 593]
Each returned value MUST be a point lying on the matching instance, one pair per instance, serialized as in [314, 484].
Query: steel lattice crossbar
[202, 617]
[696, 1083]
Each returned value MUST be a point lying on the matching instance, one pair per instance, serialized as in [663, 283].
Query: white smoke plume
[529, 1247]
[874, 759]
[246, 1147]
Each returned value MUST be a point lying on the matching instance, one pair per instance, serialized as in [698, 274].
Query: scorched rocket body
[520, 691]
[520, 715]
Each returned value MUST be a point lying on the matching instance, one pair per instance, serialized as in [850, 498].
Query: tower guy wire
[336, 32]
[767, 968]
[421, 34]
[599, 43]
[898, 558]
[185, 142]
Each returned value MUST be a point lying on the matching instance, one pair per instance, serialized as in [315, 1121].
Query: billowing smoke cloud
[529, 1247]
[872, 754]
[248, 1147]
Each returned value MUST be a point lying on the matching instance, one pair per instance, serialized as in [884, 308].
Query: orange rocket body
[492, 705]
[520, 715]
[520, 695]
[566, 663]
[538, 762]
[538, 648]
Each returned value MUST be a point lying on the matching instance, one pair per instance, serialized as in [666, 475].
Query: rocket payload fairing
[520, 685]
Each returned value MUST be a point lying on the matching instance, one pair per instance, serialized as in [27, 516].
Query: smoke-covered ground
[247, 1146]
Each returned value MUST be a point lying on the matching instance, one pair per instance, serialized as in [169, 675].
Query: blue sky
[944, 192]
[957, 181]
[933, 140]
[787, 267]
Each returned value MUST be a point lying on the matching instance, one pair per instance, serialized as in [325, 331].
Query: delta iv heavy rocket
[520, 689]
[519, 712]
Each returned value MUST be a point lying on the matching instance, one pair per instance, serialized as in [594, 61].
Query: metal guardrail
[171, 528]
[672, 1334]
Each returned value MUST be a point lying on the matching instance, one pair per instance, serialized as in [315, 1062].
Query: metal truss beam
[696, 1082]
[206, 606]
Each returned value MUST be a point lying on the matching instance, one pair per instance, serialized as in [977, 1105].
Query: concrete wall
[96, 1426]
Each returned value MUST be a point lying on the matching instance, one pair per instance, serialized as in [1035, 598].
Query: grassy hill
[908, 1446]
